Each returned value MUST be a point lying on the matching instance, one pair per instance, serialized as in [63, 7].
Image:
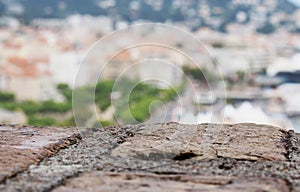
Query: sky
[297, 2]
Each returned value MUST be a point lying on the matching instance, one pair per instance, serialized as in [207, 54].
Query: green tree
[41, 121]
[52, 106]
[267, 28]
[65, 90]
[103, 94]
[30, 107]
[201, 74]
[7, 97]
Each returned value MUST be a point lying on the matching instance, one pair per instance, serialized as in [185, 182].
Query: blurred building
[27, 80]
[63, 66]
[9, 117]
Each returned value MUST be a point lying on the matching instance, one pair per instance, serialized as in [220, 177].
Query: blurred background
[255, 43]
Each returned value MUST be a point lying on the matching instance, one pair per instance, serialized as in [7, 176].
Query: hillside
[156, 11]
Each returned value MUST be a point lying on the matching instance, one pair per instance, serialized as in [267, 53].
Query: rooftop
[21, 67]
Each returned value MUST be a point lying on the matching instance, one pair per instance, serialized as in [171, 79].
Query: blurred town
[255, 44]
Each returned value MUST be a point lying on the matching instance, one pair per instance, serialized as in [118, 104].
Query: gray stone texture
[159, 157]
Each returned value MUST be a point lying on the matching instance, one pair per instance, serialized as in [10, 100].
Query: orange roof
[41, 60]
[11, 45]
[21, 67]
[123, 56]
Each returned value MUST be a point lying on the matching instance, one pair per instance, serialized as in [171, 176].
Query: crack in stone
[193, 155]
[184, 156]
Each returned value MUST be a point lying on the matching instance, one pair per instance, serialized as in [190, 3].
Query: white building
[283, 64]
[9, 117]
[64, 66]
[27, 81]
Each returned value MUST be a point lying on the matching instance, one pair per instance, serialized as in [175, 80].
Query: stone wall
[160, 157]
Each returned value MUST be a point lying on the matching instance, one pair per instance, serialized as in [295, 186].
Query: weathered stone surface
[293, 146]
[243, 141]
[143, 182]
[242, 155]
[22, 146]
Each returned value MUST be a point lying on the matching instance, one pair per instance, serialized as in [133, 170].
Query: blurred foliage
[67, 122]
[32, 109]
[267, 28]
[41, 121]
[103, 94]
[241, 76]
[44, 113]
[65, 90]
[107, 123]
[10, 106]
[29, 107]
[140, 108]
[218, 45]
[200, 74]
[141, 98]
[6, 97]
[82, 98]
[52, 106]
